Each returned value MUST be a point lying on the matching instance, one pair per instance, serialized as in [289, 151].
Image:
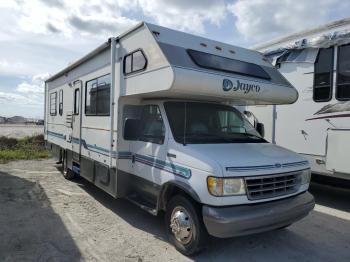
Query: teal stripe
[151, 161]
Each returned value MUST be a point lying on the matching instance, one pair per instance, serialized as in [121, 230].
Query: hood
[249, 159]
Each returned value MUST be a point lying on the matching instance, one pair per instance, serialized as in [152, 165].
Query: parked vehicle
[317, 63]
[149, 116]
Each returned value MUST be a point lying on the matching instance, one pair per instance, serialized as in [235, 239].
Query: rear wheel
[67, 173]
[184, 225]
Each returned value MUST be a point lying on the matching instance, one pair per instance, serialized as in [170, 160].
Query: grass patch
[32, 147]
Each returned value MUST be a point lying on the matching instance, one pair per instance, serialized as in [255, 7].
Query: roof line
[328, 26]
[91, 54]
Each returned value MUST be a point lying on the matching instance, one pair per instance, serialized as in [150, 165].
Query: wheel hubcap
[181, 225]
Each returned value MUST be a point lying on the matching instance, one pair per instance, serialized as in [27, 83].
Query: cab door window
[152, 125]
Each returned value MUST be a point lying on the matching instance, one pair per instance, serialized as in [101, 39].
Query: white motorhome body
[136, 118]
[317, 63]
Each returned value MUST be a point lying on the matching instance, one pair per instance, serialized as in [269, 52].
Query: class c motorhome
[317, 63]
[150, 116]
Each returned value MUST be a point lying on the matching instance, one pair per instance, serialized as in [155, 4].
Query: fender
[161, 203]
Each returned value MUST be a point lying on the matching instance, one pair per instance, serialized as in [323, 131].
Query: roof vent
[218, 48]
[231, 51]
[203, 44]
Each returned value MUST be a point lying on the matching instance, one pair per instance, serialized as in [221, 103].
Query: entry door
[149, 152]
[76, 124]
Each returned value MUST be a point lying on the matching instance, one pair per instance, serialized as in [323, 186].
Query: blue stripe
[58, 135]
[163, 165]
[150, 161]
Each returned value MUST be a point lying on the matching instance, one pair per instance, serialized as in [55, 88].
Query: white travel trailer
[317, 63]
[149, 116]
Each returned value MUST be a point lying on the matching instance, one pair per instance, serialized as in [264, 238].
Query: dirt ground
[44, 217]
[20, 131]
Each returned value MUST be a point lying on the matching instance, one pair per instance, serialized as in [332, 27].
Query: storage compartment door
[338, 150]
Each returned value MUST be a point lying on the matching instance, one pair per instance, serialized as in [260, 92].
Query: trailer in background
[317, 63]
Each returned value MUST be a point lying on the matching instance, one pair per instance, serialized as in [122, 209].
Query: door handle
[171, 155]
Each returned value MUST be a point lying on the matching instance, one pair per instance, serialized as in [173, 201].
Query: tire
[67, 173]
[184, 214]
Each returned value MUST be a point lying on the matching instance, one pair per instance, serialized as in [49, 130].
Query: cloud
[183, 14]
[259, 20]
[109, 17]
[35, 87]
[96, 18]
[27, 93]
[10, 67]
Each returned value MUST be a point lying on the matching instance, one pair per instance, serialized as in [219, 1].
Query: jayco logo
[227, 85]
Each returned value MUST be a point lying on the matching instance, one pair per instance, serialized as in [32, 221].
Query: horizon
[46, 36]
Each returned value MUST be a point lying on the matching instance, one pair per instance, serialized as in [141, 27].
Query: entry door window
[323, 75]
[76, 101]
[343, 74]
[152, 125]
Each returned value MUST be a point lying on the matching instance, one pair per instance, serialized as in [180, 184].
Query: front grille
[261, 187]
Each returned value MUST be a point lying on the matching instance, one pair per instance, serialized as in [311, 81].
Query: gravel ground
[44, 217]
[20, 131]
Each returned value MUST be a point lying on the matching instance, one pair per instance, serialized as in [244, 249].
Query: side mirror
[132, 129]
[260, 128]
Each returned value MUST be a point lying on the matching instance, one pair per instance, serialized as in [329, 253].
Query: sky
[41, 37]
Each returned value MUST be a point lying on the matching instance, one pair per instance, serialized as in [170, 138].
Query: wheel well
[171, 190]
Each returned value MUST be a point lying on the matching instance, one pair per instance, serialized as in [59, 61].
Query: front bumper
[255, 218]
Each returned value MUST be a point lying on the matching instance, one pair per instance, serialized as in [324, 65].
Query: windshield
[205, 123]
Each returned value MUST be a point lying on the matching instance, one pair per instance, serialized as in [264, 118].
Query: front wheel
[184, 225]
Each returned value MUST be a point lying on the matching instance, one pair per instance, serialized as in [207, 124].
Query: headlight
[305, 176]
[218, 186]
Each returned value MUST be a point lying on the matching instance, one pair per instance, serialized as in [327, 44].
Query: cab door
[149, 153]
[76, 120]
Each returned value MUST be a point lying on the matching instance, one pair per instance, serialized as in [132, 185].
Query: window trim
[74, 105]
[87, 114]
[131, 54]
[60, 102]
[330, 81]
[53, 93]
[337, 72]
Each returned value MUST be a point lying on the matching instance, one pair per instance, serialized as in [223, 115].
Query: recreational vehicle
[317, 63]
[150, 116]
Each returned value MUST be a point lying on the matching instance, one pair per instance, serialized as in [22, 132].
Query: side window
[76, 101]
[323, 75]
[60, 102]
[152, 126]
[343, 73]
[134, 62]
[97, 96]
[53, 104]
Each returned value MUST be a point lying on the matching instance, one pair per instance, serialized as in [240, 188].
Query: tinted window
[152, 126]
[76, 101]
[53, 103]
[60, 102]
[97, 98]
[204, 123]
[343, 73]
[227, 65]
[134, 62]
[323, 75]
